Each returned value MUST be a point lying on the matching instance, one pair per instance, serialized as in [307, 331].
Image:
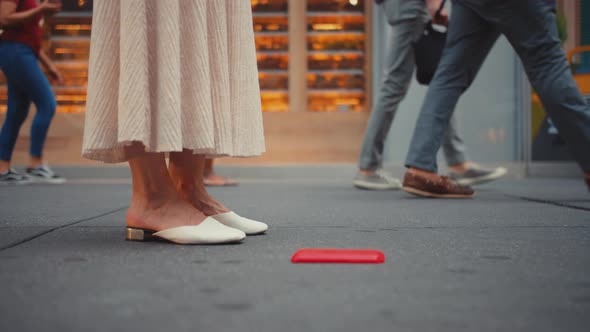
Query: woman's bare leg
[186, 172]
[212, 179]
[155, 204]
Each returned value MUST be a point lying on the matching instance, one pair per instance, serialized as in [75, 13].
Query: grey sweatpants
[399, 67]
[529, 26]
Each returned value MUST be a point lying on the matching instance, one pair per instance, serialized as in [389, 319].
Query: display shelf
[336, 100]
[334, 48]
[328, 80]
[271, 33]
[271, 30]
[335, 61]
[336, 71]
[341, 6]
[72, 25]
[260, 7]
[336, 52]
[336, 25]
[71, 99]
[69, 48]
[336, 42]
[335, 91]
[335, 33]
[3, 98]
[269, 14]
[75, 73]
[358, 14]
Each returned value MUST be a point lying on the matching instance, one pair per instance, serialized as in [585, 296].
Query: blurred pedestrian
[20, 51]
[175, 77]
[212, 179]
[407, 20]
[530, 28]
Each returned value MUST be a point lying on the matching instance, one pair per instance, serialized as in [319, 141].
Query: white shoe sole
[427, 194]
[210, 231]
[46, 181]
[375, 186]
[16, 183]
[496, 174]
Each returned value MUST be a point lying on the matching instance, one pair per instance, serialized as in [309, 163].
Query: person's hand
[442, 18]
[56, 76]
[50, 7]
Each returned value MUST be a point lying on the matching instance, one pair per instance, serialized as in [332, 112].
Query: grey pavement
[515, 258]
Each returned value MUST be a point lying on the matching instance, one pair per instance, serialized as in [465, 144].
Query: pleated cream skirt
[169, 75]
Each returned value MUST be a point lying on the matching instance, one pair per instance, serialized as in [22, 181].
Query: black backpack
[428, 51]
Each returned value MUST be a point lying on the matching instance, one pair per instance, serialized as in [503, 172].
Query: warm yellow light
[68, 51]
[327, 26]
[72, 27]
[353, 2]
[349, 101]
[71, 98]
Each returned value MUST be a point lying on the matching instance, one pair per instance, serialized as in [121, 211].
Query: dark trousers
[529, 26]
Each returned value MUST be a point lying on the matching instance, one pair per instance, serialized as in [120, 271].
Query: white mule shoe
[248, 226]
[210, 231]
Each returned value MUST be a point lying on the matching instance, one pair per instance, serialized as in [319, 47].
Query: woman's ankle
[4, 166]
[35, 162]
[142, 206]
[367, 171]
[152, 200]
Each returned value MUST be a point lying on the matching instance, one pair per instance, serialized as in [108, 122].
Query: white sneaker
[44, 174]
[12, 177]
[477, 175]
[380, 180]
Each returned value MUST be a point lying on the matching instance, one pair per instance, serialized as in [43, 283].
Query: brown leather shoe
[443, 187]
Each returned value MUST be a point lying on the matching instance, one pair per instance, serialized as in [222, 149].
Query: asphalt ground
[515, 258]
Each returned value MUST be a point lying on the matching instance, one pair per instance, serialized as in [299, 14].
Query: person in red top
[20, 51]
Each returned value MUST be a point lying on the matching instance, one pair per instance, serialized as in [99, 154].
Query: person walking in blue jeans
[20, 50]
[407, 20]
[530, 27]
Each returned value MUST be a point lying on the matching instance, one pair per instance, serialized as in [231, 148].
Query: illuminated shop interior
[335, 39]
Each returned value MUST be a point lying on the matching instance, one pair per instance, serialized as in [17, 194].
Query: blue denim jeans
[529, 26]
[397, 76]
[26, 83]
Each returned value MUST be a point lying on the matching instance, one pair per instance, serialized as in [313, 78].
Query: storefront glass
[335, 49]
[573, 26]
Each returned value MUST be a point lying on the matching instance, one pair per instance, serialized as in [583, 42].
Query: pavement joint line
[549, 202]
[38, 235]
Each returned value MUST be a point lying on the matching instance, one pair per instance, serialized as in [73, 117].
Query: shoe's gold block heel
[137, 234]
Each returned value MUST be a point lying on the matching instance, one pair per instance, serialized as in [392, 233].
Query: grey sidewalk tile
[441, 279]
[553, 189]
[341, 205]
[13, 235]
[338, 206]
[494, 263]
[53, 206]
